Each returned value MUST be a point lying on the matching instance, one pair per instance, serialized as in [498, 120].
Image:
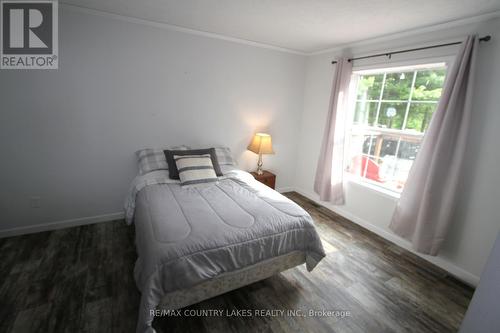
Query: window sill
[380, 190]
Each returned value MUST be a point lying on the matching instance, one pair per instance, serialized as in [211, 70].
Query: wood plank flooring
[81, 280]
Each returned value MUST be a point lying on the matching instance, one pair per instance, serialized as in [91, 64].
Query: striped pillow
[195, 169]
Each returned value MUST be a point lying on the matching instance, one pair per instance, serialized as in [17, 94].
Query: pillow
[153, 159]
[172, 167]
[224, 156]
[195, 169]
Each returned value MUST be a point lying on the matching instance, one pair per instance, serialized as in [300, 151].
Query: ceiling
[300, 25]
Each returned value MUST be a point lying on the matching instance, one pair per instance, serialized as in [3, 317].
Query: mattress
[188, 235]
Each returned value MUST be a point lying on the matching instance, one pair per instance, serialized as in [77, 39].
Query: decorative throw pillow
[195, 169]
[172, 168]
[150, 159]
[224, 156]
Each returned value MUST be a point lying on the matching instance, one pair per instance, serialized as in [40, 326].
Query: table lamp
[261, 144]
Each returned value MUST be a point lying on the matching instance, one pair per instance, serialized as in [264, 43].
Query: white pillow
[195, 169]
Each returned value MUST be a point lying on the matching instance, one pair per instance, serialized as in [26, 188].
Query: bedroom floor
[81, 280]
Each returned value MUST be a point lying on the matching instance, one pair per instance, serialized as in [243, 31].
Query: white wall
[69, 135]
[477, 220]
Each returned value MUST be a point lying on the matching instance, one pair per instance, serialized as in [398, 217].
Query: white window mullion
[410, 97]
[365, 169]
[379, 104]
[393, 101]
[380, 100]
[403, 127]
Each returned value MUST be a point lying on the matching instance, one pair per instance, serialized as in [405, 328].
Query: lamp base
[259, 165]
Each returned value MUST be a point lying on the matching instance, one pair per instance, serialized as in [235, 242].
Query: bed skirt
[230, 281]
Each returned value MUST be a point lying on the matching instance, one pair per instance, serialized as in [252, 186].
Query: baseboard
[454, 270]
[60, 224]
[285, 189]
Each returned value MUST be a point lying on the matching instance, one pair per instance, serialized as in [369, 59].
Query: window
[391, 114]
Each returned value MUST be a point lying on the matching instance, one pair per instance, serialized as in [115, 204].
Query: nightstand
[266, 178]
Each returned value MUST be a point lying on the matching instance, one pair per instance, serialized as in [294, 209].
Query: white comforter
[187, 235]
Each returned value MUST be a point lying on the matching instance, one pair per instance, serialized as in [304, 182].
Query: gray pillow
[151, 159]
[173, 172]
[224, 156]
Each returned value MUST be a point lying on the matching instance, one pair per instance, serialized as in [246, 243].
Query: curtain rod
[389, 54]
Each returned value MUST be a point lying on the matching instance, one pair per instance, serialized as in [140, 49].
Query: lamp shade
[261, 144]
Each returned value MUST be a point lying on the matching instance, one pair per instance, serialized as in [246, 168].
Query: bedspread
[186, 235]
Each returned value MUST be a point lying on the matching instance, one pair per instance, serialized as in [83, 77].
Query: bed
[197, 242]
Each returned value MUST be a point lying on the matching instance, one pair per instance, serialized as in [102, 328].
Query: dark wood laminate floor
[81, 280]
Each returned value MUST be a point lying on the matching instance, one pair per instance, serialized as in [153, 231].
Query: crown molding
[411, 32]
[368, 41]
[177, 28]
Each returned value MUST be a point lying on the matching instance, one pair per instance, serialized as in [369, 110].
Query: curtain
[328, 182]
[424, 212]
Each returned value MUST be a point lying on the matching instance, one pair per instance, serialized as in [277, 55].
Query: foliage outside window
[392, 112]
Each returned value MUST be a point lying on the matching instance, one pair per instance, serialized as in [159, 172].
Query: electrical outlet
[35, 202]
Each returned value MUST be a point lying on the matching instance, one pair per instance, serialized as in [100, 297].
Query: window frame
[387, 67]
